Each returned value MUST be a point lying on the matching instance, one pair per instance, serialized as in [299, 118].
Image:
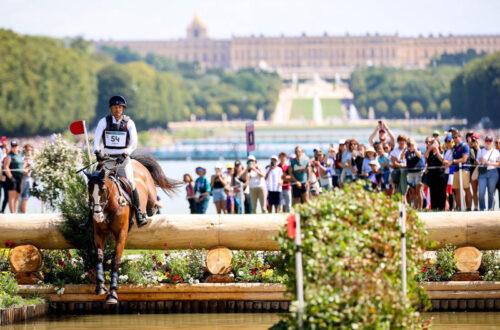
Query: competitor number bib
[115, 139]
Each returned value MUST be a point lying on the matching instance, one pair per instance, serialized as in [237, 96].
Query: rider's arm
[101, 126]
[133, 137]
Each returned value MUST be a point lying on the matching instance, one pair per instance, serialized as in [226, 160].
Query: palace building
[305, 56]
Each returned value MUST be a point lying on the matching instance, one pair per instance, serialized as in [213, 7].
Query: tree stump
[468, 262]
[219, 264]
[25, 261]
[219, 260]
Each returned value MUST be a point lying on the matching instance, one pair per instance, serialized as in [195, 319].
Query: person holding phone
[257, 184]
[383, 133]
[218, 182]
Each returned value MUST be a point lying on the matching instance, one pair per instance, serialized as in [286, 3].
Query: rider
[119, 137]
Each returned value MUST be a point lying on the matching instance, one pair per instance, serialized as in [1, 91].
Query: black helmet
[117, 100]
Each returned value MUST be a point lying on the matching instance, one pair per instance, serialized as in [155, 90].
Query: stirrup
[141, 219]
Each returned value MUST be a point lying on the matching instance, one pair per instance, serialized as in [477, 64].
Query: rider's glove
[99, 156]
[120, 159]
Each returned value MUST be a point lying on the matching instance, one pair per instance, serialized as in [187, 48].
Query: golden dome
[197, 21]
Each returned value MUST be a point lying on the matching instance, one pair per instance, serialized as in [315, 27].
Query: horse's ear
[87, 174]
[102, 173]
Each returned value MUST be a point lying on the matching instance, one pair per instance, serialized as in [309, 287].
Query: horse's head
[98, 193]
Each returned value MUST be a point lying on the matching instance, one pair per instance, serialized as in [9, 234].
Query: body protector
[116, 135]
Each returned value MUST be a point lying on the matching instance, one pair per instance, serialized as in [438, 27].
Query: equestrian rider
[119, 137]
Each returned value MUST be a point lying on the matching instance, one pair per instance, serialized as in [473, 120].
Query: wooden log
[468, 259]
[25, 259]
[461, 286]
[219, 260]
[246, 232]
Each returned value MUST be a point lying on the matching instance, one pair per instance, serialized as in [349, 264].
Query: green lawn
[303, 108]
[331, 108]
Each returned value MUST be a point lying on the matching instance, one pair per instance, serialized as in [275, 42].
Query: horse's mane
[168, 185]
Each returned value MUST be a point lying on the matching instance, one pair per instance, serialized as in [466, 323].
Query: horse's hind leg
[120, 238]
[100, 288]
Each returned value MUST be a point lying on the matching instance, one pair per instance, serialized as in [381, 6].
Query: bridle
[102, 206]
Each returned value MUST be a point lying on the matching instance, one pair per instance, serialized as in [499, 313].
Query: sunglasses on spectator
[489, 140]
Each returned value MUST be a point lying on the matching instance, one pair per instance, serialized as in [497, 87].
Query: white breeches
[123, 168]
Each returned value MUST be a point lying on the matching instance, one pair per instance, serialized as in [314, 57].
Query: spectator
[4, 151]
[27, 180]
[398, 177]
[461, 154]
[300, 175]
[436, 178]
[358, 154]
[323, 170]
[374, 176]
[14, 168]
[201, 190]
[489, 159]
[274, 180]
[384, 163]
[348, 169]
[218, 181]
[383, 132]
[473, 142]
[240, 186]
[366, 169]
[286, 193]
[188, 180]
[447, 162]
[332, 162]
[435, 135]
[497, 144]
[230, 203]
[257, 184]
[411, 157]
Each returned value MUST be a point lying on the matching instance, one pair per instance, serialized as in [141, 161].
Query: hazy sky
[166, 19]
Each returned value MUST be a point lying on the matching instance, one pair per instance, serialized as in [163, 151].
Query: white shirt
[101, 126]
[255, 180]
[491, 155]
[448, 155]
[397, 153]
[274, 179]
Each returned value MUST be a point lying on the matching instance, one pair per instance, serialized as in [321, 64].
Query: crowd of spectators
[449, 172]
[15, 175]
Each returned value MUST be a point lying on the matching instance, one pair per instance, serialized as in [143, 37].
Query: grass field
[303, 108]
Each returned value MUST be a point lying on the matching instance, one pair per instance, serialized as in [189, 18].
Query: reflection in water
[153, 321]
[460, 320]
[463, 320]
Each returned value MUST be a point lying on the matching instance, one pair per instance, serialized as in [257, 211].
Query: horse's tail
[160, 179]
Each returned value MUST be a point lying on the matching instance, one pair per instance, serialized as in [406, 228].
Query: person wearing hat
[257, 184]
[436, 135]
[383, 132]
[201, 190]
[118, 135]
[14, 170]
[370, 154]
[274, 179]
[218, 182]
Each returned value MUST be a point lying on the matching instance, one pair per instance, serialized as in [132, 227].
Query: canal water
[226, 321]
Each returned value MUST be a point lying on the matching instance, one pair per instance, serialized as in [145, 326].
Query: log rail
[246, 232]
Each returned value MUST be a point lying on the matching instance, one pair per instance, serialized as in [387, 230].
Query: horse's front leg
[120, 238]
[100, 288]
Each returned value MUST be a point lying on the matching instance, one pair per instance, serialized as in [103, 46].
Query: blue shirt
[201, 185]
[459, 151]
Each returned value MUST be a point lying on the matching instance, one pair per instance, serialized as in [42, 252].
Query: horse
[112, 214]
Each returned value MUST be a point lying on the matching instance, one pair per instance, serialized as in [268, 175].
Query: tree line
[47, 83]
[475, 91]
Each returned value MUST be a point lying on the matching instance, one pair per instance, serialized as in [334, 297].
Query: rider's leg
[129, 173]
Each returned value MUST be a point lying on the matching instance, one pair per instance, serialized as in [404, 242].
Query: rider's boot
[139, 216]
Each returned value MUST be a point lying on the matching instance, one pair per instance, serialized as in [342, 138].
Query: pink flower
[175, 278]
[247, 255]
[165, 244]
[181, 280]
[424, 270]
[190, 245]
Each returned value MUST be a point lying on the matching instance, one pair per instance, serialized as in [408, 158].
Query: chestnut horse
[112, 214]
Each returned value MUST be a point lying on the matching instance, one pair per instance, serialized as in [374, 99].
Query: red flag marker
[77, 127]
[291, 226]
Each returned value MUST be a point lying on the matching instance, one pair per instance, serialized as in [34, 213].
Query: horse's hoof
[111, 299]
[100, 290]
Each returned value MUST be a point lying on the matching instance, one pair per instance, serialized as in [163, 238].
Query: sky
[167, 19]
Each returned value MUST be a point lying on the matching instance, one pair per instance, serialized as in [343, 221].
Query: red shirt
[286, 184]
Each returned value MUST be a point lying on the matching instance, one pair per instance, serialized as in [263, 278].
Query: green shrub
[441, 268]
[8, 292]
[490, 266]
[352, 262]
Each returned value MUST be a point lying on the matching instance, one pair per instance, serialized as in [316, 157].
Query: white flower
[240, 273]
[196, 281]
[191, 281]
[83, 276]
[60, 290]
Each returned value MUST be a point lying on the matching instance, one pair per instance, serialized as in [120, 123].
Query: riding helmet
[117, 100]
